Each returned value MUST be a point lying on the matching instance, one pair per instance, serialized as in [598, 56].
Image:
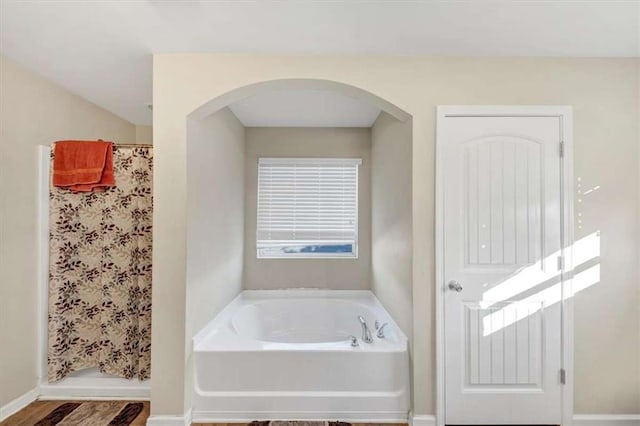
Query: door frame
[565, 114]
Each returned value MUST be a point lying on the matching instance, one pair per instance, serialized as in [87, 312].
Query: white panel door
[501, 242]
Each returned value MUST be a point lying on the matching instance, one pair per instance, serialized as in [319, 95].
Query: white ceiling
[304, 108]
[101, 50]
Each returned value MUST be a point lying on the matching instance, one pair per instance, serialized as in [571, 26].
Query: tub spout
[366, 333]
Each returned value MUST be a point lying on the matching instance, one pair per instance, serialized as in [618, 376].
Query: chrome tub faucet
[366, 333]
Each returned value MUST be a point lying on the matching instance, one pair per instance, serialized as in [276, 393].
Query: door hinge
[563, 376]
[560, 263]
[561, 149]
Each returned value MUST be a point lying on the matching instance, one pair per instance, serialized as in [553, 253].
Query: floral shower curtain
[100, 273]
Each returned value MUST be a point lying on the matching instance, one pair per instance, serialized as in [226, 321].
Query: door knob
[455, 286]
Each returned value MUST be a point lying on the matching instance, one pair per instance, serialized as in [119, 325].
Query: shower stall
[89, 326]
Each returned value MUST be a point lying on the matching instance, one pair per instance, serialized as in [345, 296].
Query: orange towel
[83, 166]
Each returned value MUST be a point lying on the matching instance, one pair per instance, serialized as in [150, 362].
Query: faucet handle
[354, 341]
[380, 328]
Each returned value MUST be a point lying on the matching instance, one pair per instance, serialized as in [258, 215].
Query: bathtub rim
[247, 295]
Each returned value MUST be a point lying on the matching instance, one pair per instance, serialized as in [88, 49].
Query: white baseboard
[606, 420]
[159, 420]
[422, 420]
[578, 420]
[18, 404]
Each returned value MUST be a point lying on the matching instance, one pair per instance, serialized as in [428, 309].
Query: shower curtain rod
[129, 145]
[133, 145]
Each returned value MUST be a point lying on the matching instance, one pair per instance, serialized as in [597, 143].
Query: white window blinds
[307, 207]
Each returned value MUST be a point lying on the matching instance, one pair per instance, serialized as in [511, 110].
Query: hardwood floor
[116, 413]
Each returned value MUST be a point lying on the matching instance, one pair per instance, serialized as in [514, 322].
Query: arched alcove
[213, 209]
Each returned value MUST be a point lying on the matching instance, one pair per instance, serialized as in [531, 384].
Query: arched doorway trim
[243, 92]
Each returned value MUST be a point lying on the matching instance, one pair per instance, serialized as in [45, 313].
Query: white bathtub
[286, 355]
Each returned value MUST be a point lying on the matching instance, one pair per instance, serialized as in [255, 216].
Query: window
[307, 207]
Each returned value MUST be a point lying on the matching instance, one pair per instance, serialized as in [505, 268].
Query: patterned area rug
[90, 413]
[282, 423]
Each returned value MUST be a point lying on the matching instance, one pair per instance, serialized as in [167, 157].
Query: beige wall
[604, 95]
[33, 112]
[215, 215]
[391, 238]
[144, 134]
[341, 274]
[607, 315]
